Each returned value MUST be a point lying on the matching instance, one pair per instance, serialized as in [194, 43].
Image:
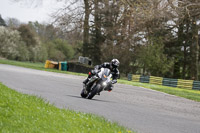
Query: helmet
[115, 63]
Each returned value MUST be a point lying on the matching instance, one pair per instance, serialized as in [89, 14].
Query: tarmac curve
[137, 108]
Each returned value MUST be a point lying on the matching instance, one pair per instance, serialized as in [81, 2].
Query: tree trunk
[194, 52]
[178, 63]
[98, 36]
[185, 50]
[86, 29]
[197, 55]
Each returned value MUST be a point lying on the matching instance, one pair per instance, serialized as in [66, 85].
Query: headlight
[104, 83]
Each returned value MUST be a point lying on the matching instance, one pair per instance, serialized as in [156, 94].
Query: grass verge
[24, 113]
[189, 94]
[38, 66]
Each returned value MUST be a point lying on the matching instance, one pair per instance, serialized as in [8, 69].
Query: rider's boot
[110, 89]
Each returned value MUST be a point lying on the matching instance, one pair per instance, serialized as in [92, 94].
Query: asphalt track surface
[141, 109]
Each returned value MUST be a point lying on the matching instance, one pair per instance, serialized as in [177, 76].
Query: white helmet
[115, 63]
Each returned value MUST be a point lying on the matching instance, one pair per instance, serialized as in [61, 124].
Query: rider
[113, 66]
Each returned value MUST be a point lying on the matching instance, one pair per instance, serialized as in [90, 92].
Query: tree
[187, 17]
[13, 23]
[46, 32]
[153, 59]
[2, 22]
[33, 44]
[28, 35]
[131, 28]
[59, 50]
[65, 48]
[11, 45]
[86, 28]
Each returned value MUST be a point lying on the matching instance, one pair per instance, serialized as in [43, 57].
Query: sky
[25, 12]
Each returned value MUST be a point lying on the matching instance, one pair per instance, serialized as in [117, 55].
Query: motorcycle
[97, 83]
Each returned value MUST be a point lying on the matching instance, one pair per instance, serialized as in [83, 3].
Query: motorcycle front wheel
[83, 94]
[94, 91]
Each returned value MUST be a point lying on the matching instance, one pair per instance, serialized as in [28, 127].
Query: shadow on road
[91, 99]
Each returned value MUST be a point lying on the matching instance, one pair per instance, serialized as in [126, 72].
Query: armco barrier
[185, 84]
[129, 77]
[136, 78]
[169, 82]
[179, 83]
[144, 79]
[156, 80]
[79, 68]
[196, 85]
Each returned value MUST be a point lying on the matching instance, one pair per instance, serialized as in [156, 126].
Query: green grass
[38, 66]
[23, 113]
[189, 94]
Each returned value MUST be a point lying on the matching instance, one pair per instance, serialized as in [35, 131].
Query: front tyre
[93, 92]
[83, 94]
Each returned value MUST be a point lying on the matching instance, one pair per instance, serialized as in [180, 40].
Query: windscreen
[106, 72]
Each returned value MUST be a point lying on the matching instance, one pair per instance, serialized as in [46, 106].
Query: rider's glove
[95, 71]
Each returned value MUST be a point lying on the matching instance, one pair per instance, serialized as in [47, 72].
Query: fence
[179, 83]
[69, 66]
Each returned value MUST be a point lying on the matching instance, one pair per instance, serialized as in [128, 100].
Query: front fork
[90, 83]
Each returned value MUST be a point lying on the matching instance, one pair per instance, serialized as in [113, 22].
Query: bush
[59, 50]
[39, 53]
[11, 46]
[65, 48]
[23, 53]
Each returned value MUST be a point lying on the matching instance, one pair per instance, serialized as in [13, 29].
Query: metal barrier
[196, 85]
[144, 79]
[187, 84]
[179, 83]
[136, 78]
[170, 82]
[156, 80]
